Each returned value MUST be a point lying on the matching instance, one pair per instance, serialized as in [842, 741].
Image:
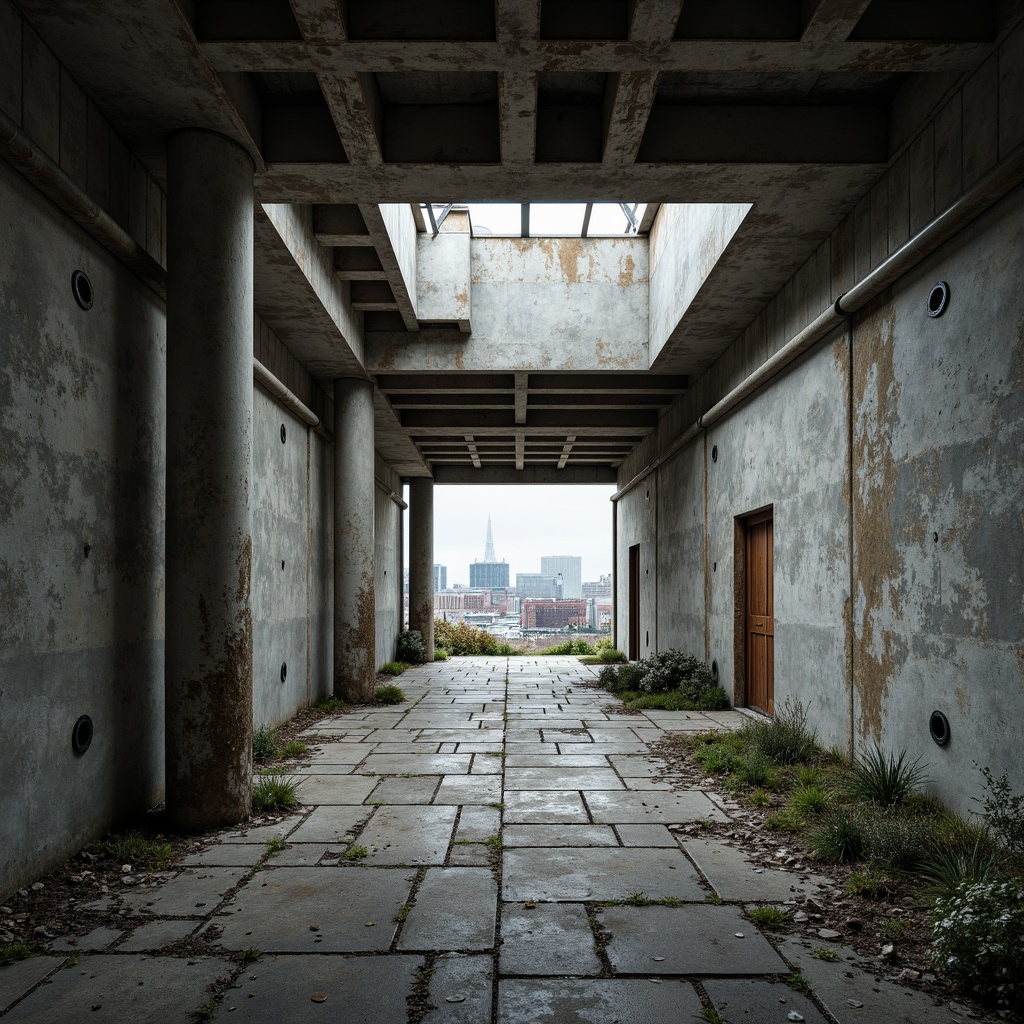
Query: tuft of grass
[869, 882]
[14, 952]
[206, 1011]
[755, 770]
[389, 695]
[808, 800]
[274, 793]
[837, 837]
[785, 739]
[713, 897]
[759, 798]
[265, 745]
[74, 958]
[440, 654]
[895, 930]
[809, 775]
[783, 821]
[402, 913]
[715, 759]
[828, 955]
[493, 842]
[768, 917]
[275, 845]
[134, 848]
[710, 1015]
[357, 853]
[639, 899]
[797, 981]
[885, 779]
[330, 704]
[393, 668]
[249, 956]
[293, 749]
[498, 806]
[947, 869]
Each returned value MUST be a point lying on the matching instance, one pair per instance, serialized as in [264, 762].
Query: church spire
[489, 549]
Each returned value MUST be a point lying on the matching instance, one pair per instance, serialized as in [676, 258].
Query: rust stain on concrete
[570, 250]
[628, 269]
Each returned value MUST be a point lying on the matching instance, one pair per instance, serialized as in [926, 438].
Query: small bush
[674, 670]
[1003, 811]
[14, 952]
[808, 800]
[330, 705]
[978, 940]
[754, 770]
[899, 840]
[621, 678]
[389, 695]
[274, 793]
[409, 647]
[838, 836]
[759, 798]
[393, 668]
[768, 917]
[884, 779]
[294, 749]
[945, 870]
[716, 759]
[265, 745]
[465, 641]
[441, 654]
[575, 646]
[786, 738]
[609, 655]
[809, 775]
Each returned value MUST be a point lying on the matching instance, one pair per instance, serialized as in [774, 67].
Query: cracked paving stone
[330, 824]
[193, 893]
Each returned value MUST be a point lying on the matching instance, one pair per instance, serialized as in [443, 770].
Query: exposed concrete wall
[81, 537]
[401, 228]
[387, 562]
[444, 287]
[638, 524]
[687, 240]
[539, 304]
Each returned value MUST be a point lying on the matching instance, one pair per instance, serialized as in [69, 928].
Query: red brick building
[548, 614]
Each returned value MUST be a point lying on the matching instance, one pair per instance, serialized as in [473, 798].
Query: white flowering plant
[978, 940]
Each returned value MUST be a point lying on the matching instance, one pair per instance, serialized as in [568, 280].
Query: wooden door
[634, 602]
[760, 621]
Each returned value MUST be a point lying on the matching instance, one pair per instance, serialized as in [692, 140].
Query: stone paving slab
[469, 789]
[524, 807]
[358, 990]
[156, 935]
[408, 835]
[330, 824]
[598, 874]
[641, 808]
[547, 939]
[193, 893]
[696, 939]
[556, 761]
[127, 989]
[353, 909]
[455, 909]
[335, 789]
[98, 938]
[467, 981]
[261, 833]
[302, 855]
[16, 979]
[227, 855]
[474, 855]
[586, 1001]
[751, 1001]
[734, 877]
[418, 764]
[559, 835]
[646, 835]
[419, 789]
[562, 778]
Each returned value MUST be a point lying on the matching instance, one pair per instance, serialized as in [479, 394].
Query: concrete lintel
[527, 475]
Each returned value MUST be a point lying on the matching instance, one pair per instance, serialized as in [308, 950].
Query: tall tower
[489, 548]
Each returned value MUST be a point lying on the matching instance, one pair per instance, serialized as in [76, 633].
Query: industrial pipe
[985, 192]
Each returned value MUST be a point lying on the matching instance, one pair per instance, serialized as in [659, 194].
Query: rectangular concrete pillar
[354, 604]
[421, 560]
[209, 454]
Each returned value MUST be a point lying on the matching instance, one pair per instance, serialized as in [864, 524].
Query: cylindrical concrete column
[209, 451]
[355, 670]
[421, 560]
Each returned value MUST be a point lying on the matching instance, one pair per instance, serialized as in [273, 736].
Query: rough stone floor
[530, 927]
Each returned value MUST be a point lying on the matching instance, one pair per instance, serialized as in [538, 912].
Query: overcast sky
[528, 521]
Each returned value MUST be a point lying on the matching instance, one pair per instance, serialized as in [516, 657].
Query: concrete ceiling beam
[337, 225]
[529, 474]
[372, 296]
[357, 113]
[492, 421]
[522, 385]
[405, 300]
[832, 21]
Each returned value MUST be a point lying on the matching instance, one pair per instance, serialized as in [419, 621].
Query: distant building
[488, 574]
[553, 614]
[571, 568]
[601, 587]
[536, 584]
[440, 577]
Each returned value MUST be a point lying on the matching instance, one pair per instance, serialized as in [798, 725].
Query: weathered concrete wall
[638, 524]
[444, 289]
[387, 539]
[321, 567]
[539, 304]
[401, 228]
[938, 493]
[81, 537]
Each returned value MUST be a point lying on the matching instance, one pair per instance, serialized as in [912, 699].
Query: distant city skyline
[528, 523]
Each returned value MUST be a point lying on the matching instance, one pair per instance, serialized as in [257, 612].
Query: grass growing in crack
[133, 848]
[274, 793]
[641, 899]
[768, 917]
[294, 749]
[495, 753]
[378, 803]
[393, 668]
[713, 897]
[275, 845]
[797, 981]
[356, 853]
[402, 913]
[493, 842]
[330, 705]
[828, 955]
[14, 952]
[389, 695]
[249, 956]
[74, 958]
[498, 806]
[710, 1015]
[206, 1011]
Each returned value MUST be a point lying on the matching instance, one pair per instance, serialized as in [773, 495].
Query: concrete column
[209, 452]
[421, 560]
[354, 607]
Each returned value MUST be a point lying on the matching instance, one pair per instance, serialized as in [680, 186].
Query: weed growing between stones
[265, 745]
[13, 952]
[768, 917]
[274, 793]
[389, 695]
[357, 853]
[275, 846]
[392, 668]
[135, 849]
[828, 955]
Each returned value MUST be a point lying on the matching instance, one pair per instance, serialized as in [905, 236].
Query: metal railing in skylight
[544, 220]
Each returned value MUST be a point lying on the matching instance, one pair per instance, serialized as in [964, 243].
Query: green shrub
[441, 654]
[265, 745]
[838, 836]
[466, 641]
[768, 917]
[754, 771]
[134, 848]
[393, 668]
[978, 940]
[945, 869]
[1003, 811]
[409, 647]
[389, 695]
[809, 775]
[575, 646]
[884, 779]
[808, 801]
[609, 655]
[674, 670]
[711, 700]
[294, 749]
[785, 739]
[896, 839]
[330, 704]
[620, 678]
[716, 759]
[14, 952]
[759, 798]
[274, 793]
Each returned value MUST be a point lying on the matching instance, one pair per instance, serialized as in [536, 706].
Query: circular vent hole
[284, 671]
[938, 727]
[938, 298]
[81, 734]
[81, 288]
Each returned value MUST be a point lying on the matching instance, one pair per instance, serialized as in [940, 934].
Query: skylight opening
[544, 220]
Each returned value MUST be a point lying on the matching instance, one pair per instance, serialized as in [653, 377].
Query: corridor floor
[496, 848]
